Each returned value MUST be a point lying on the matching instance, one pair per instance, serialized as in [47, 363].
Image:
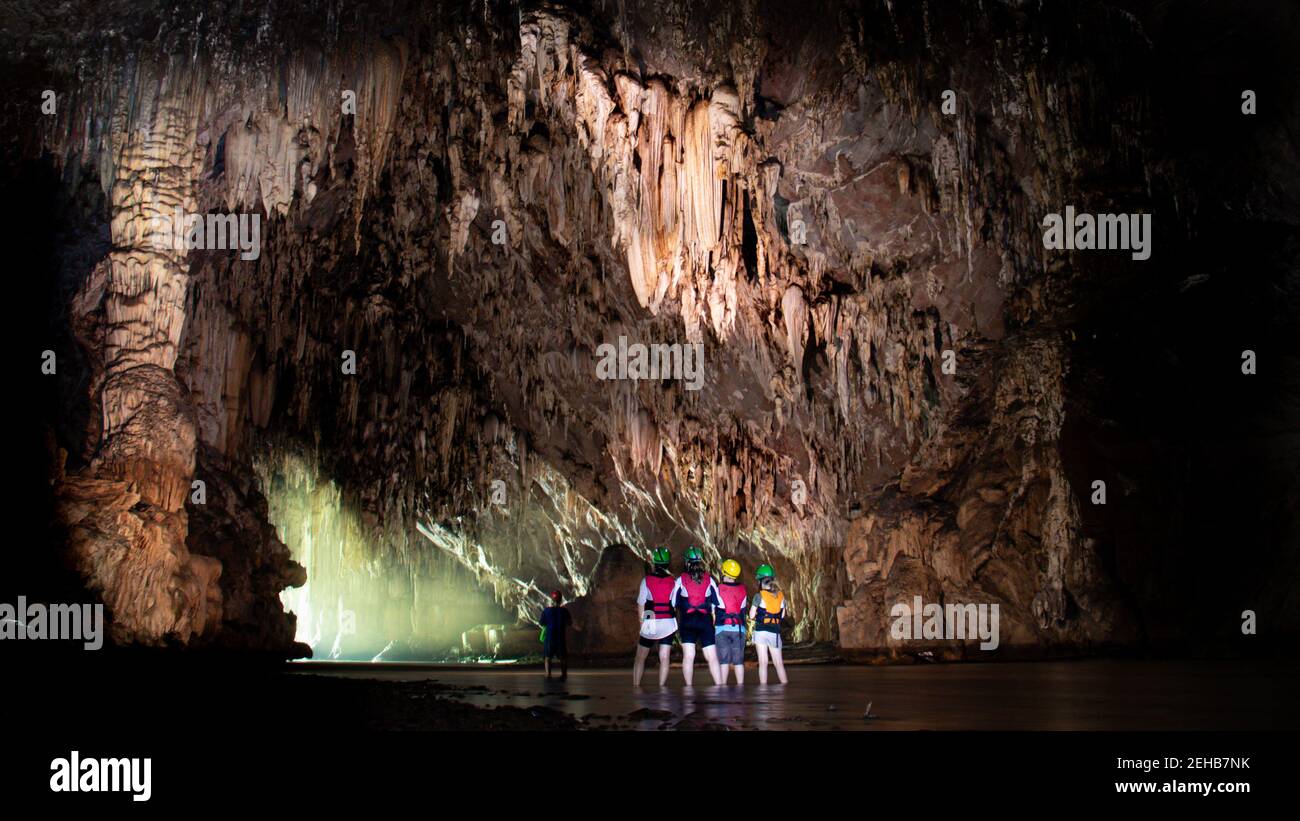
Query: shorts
[700, 634]
[731, 647]
[554, 649]
[767, 638]
[653, 643]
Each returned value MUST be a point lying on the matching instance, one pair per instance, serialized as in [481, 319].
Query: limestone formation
[467, 203]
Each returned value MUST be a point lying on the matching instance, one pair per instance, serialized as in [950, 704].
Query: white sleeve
[677, 585]
[643, 595]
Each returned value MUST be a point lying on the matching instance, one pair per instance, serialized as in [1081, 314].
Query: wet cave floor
[162, 696]
[1058, 695]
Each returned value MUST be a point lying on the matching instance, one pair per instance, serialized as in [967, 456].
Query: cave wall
[787, 193]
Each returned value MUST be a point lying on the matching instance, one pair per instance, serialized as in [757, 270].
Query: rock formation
[902, 392]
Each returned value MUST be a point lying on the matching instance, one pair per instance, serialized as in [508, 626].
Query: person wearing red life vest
[695, 597]
[767, 610]
[729, 622]
[654, 606]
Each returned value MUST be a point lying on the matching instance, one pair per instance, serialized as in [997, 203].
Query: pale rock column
[126, 518]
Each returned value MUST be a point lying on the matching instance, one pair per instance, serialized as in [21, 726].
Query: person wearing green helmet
[767, 611]
[654, 606]
[695, 597]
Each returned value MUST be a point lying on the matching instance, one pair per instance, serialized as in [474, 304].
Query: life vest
[733, 601]
[696, 593]
[661, 595]
[769, 611]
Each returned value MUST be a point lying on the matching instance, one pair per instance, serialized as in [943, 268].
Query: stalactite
[811, 229]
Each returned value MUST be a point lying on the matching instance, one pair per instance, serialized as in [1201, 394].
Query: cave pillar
[144, 312]
[125, 515]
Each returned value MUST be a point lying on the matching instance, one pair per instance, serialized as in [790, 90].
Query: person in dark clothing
[695, 597]
[555, 621]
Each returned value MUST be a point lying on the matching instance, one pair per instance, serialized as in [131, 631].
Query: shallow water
[1060, 695]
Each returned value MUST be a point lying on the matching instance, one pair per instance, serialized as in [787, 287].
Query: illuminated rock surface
[783, 189]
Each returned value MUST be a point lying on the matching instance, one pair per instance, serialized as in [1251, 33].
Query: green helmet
[693, 555]
[764, 571]
[662, 556]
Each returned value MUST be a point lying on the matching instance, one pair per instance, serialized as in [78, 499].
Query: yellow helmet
[731, 568]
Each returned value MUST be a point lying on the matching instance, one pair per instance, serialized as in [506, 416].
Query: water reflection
[1071, 695]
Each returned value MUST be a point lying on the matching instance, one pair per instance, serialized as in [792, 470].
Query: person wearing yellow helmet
[729, 622]
[768, 612]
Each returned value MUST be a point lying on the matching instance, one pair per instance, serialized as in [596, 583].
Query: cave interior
[393, 404]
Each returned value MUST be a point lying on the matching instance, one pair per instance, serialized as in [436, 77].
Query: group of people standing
[697, 611]
[701, 613]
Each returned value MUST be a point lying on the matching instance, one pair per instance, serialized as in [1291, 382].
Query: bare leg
[688, 662]
[726, 671]
[547, 665]
[740, 671]
[711, 656]
[639, 666]
[779, 664]
[664, 663]
[762, 664]
[564, 667]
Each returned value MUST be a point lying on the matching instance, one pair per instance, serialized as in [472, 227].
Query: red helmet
[555, 594]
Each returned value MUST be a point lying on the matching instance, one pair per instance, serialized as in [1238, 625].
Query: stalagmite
[406, 379]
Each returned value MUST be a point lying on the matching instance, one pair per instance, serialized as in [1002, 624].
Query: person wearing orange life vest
[654, 606]
[729, 622]
[768, 611]
[696, 597]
